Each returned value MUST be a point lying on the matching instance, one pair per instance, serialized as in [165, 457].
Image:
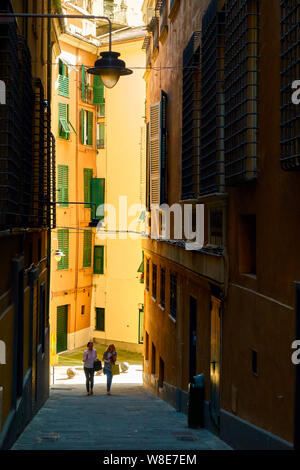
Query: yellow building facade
[117, 304]
[99, 154]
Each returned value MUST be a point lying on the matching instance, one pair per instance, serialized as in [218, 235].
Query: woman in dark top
[109, 358]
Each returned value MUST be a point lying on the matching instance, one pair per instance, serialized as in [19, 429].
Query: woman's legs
[92, 379]
[89, 375]
[87, 383]
[109, 379]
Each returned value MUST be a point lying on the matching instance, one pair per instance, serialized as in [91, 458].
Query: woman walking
[109, 358]
[89, 357]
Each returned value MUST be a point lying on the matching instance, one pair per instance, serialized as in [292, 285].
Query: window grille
[11, 129]
[212, 103]
[191, 119]
[290, 71]
[241, 90]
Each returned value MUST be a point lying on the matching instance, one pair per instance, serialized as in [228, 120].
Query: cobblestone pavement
[132, 418]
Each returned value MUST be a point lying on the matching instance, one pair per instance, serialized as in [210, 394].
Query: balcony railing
[154, 28]
[162, 8]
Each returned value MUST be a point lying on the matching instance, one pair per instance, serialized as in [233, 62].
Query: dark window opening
[153, 360]
[147, 347]
[100, 319]
[254, 362]
[161, 373]
[163, 287]
[154, 281]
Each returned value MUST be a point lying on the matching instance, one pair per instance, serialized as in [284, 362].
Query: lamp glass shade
[57, 258]
[110, 78]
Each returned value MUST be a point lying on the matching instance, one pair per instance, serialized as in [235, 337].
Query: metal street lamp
[109, 67]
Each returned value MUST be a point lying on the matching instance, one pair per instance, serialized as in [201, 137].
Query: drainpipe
[297, 374]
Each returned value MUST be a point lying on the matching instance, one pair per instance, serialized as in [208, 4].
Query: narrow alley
[130, 419]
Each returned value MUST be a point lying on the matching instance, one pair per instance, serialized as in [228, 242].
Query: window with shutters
[100, 319]
[290, 71]
[241, 90]
[191, 109]
[98, 259]
[212, 171]
[154, 143]
[63, 185]
[98, 94]
[87, 178]
[63, 79]
[87, 125]
[98, 198]
[62, 328]
[87, 249]
[141, 325]
[86, 86]
[63, 245]
[64, 129]
[100, 135]
[158, 150]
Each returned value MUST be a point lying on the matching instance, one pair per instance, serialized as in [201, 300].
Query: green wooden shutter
[101, 135]
[82, 125]
[98, 197]
[66, 87]
[90, 127]
[63, 121]
[100, 319]
[62, 329]
[87, 249]
[63, 245]
[163, 145]
[87, 176]
[99, 259]
[82, 83]
[63, 185]
[98, 90]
